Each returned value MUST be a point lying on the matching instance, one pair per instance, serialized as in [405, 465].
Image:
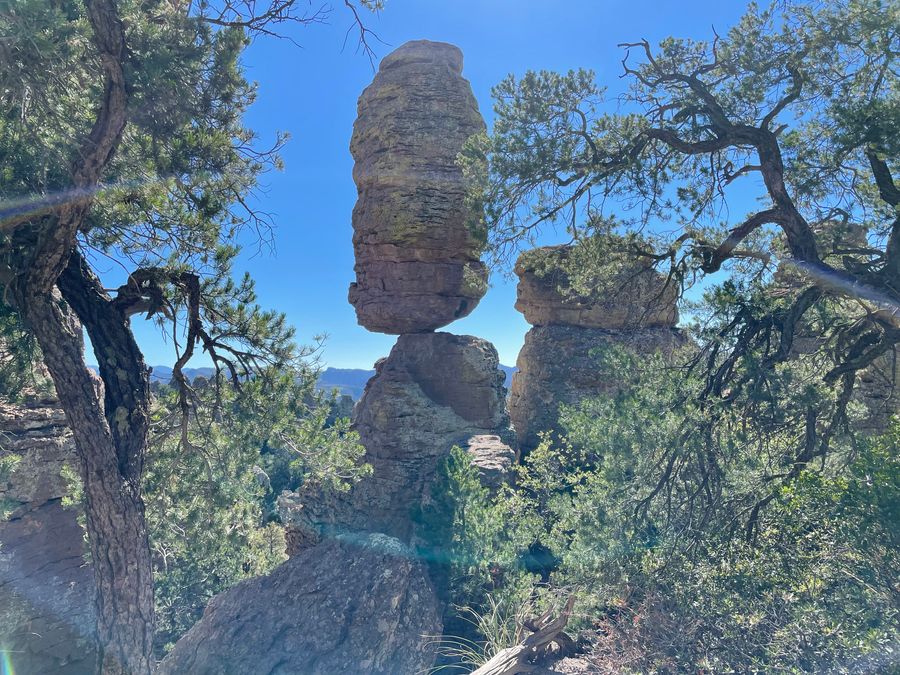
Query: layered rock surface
[493, 458]
[417, 251]
[636, 309]
[345, 606]
[46, 589]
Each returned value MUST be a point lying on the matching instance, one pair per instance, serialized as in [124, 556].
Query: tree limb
[122, 368]
[57, 238]
[712, 262]
[517, 659]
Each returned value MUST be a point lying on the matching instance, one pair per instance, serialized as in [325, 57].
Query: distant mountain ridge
[352, 381]
[349, 381]
[164, 373]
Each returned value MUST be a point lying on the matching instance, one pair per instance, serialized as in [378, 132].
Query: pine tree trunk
[115, 512]
[110, 438]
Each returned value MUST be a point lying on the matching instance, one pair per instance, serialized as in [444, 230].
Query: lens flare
[15, 211]
[6, 666]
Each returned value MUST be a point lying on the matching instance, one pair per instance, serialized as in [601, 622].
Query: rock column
[417, 251]
[353, 559]
[418, 268]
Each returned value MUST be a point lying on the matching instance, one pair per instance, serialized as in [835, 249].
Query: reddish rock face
[417, 244]
[432, 392]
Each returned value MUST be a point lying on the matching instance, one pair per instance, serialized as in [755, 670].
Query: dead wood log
[518, 659]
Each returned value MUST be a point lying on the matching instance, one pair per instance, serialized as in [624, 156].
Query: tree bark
[115, 513]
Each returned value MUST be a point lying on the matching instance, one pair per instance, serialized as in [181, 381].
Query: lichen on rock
[633, 295]
[493, 458]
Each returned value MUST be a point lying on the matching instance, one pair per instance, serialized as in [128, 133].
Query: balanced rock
[46, 588]
[434, 391]
[636, 296]
[635, 308]
[361, 606]
[416, 241]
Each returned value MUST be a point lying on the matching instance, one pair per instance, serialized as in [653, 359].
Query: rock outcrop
[46, 589]
[635, 309]
[345, 606]
[417, 248]
[434, 391]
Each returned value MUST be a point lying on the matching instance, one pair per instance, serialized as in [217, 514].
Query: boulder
[416, 241]
[636, 296]
[434, 391]
[361, 605]
[46, 587]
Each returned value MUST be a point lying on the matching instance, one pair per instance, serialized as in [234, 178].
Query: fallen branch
[518, 659]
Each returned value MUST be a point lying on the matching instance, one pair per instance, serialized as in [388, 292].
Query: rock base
[556, 367]
[362, 606]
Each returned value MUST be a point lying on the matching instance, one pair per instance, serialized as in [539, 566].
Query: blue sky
[310, 91]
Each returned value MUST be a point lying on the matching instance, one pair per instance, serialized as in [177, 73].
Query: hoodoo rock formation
[46, 589]
[416, 243]
[636, 308]
[351, 598]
